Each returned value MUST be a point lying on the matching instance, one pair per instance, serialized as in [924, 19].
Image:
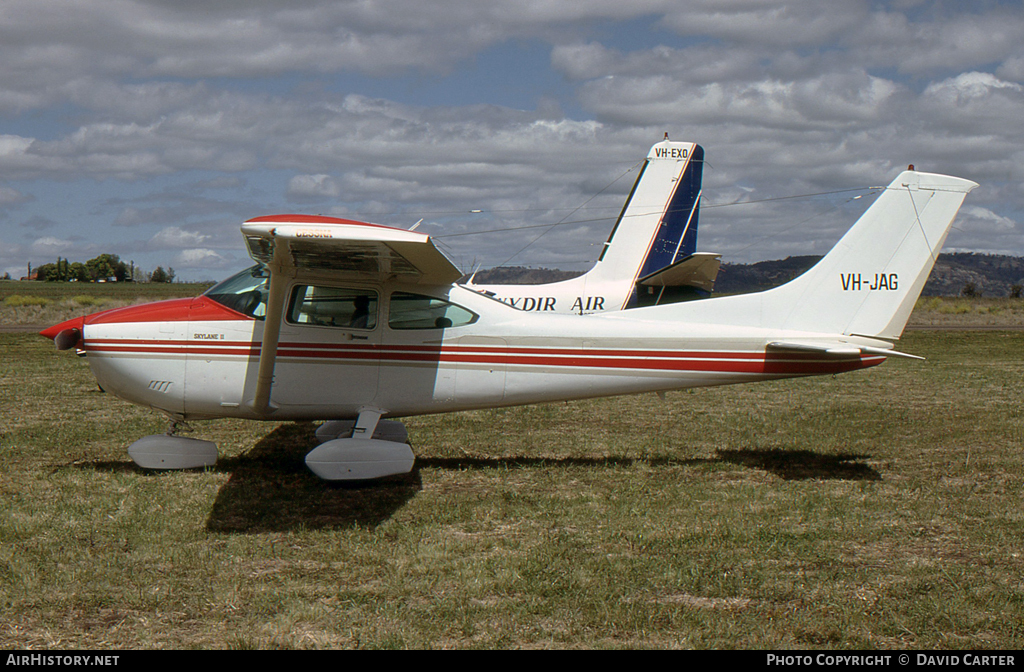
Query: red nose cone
[173, 310]
[52, 332]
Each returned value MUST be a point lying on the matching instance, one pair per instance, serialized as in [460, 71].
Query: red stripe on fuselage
[603, 359]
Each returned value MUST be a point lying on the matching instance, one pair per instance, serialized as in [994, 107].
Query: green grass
[876, 509]
[19, 300]
[47, 303]
[963, 311]
[112, 290]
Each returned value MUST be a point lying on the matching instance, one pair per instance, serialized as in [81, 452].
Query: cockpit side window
[244, 292]
[333, 307]
[418, 311]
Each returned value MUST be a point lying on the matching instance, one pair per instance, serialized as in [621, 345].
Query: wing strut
[280, 273]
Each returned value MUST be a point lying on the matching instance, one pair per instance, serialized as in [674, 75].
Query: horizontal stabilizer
[837, 349]
[697, 270]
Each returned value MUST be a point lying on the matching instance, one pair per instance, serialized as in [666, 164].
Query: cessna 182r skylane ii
[650, 257]
[353, 321]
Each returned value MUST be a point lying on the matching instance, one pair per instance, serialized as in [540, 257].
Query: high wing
[286, 244]
[347, 246]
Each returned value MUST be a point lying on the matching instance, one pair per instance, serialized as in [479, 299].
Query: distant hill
[987, 274]
[991, 274]
[746, 278]
[954, 274]
[520, 275]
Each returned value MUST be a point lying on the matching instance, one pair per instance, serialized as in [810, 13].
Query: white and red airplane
[650, 258]
[356, 322]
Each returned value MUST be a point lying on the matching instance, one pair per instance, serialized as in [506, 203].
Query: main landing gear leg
[169, 451]
[387, 430]
[361, 457]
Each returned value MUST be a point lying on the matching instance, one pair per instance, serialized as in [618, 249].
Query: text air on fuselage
[582, 304]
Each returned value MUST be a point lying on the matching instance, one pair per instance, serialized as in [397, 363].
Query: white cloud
[314, 186]
[48, 246]
[200, 258]
[970, 86]
[1012, 68]
[9, 197]
[976, 218]
[60, 41]
[174, 237]
[790, 24]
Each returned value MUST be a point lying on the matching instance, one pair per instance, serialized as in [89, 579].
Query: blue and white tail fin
[866, 286]
[656, 231]
[658, 223]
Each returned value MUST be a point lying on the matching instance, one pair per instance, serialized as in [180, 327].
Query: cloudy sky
[152, 128]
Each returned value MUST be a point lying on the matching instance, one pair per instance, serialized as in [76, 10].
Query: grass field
[39, 303]
[877, 509]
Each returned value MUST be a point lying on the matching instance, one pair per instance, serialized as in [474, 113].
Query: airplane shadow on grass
[796, 465]
[272, 490]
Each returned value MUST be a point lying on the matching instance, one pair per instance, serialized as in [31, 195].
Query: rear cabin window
[417, 311]
[333, 307]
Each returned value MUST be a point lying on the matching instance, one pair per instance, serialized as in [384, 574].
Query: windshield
[244, 292]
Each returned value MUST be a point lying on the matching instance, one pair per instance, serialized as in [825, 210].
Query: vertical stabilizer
[658, 223]
[868, 283]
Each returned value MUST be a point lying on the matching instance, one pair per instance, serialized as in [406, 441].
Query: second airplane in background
[650, 257]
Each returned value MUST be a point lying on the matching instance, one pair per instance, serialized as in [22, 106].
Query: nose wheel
[170, 451]
[164, 451]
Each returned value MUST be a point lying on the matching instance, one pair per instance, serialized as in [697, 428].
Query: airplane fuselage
[196, 358]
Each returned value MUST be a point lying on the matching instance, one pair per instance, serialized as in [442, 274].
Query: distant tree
[160, 275]
[99, 267]
[5, 276]
[47, 273]
[107, 266]
[78, 272]
[1015, 290]
[62, 271]
[970, 290]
